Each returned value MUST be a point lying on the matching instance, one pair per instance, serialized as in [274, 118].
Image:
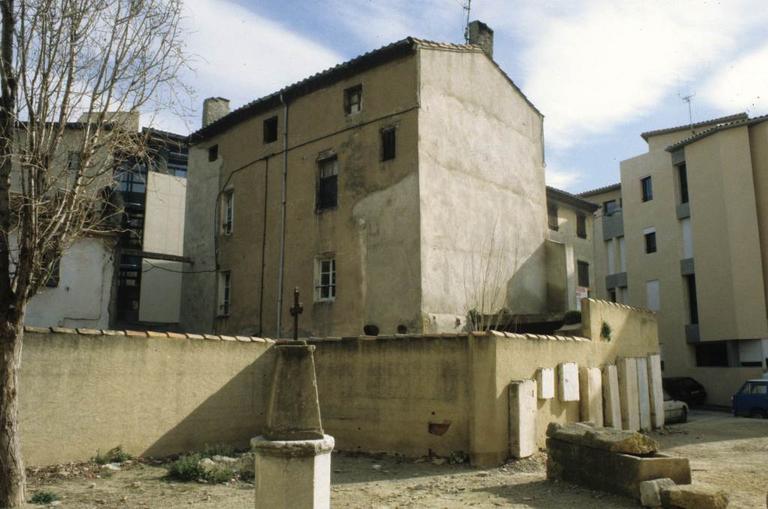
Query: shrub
[44, 497]
[186, 468]
[218, 450]
[571, 317]
[605, 331]
[218, 475]
[115, 455]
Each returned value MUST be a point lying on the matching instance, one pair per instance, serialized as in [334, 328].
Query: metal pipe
[283, 193]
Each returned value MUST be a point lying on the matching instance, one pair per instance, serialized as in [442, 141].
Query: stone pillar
[568, 378]
[591, 402]
[545, 379]
[643, 395]
[293, 458]
[611, 401]
[522, 418]
[656, 391]
[630, 406]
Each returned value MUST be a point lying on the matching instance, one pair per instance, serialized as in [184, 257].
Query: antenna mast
[467, 7]
[688, 98]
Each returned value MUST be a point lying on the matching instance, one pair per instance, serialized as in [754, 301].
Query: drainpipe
[283, 191]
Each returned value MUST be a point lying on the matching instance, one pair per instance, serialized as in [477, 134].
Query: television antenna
[688, 99]
[467, 8]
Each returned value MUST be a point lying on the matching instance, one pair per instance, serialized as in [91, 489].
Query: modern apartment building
[686, 235]
[398, 191]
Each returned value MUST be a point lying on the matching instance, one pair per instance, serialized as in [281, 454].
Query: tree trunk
[12, 476]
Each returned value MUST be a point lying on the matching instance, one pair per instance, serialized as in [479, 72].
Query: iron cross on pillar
[296, 310]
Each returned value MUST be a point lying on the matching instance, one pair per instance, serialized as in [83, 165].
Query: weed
[605, 331]
[115, 455]
[44, 497]
[218, 450]
[218, 475]
[186, 468]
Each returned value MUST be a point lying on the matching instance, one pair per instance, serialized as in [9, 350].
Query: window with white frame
[225, 293]
[325, 279]
[227, 211]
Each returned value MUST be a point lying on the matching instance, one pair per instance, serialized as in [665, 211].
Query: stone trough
[608, 459]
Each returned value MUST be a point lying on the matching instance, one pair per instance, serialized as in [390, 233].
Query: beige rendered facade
[693, 213]
[408, 175]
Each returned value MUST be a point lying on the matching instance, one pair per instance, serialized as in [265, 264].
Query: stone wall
[161, 393]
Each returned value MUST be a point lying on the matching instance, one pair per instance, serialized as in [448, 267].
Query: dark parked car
[685, 389]
[752, 399]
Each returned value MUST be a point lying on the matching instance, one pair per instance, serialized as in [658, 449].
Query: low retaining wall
[162, 393]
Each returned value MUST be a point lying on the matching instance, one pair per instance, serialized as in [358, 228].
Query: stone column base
[293, 474]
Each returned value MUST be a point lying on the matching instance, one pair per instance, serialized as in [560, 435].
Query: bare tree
[65, 67]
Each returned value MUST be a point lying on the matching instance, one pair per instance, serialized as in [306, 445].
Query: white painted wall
[85, 288]
[160, 300]
[652, 295]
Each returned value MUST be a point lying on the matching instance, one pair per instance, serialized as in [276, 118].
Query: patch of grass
[218, 475]
[218, 450]
[44, 497]
[186, 468]
[115, 455]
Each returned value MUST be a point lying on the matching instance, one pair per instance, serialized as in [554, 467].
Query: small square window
[647, 188]
[583, 273]
[54, 274]
[650, 241]
[73, 161]
[213, 152]
[581, 226]
[327, 183]
[388, 144]
[227, 211]
[610, 207]
[270, 129]
[225, 293]
[325, 279]
[353, 100]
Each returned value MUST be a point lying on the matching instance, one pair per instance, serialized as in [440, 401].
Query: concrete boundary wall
[84, 390]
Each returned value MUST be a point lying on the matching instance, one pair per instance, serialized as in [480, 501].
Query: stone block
[656, 391]
[643, 394]
[607, 439]
[568, 381]
[694, 496]
[608, 471]
[650, 491]
[611, 401]
[591, 401]
[545, 379]
[630, 406]
[522, 418]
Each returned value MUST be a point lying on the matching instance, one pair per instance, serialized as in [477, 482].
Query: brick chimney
[481, 35]
[213, 109]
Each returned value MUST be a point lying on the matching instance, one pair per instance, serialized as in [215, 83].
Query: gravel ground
[725, 451]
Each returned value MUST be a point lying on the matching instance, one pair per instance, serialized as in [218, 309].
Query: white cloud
[562, 178]
[609, 62]
[242, 56]
[741, 85]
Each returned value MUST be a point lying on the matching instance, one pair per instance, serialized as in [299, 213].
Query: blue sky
[601, 71]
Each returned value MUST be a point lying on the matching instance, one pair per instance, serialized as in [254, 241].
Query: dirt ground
[725, 451]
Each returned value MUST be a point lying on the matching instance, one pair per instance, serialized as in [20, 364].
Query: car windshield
[758, 389]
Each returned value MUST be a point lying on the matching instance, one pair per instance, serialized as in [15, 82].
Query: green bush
[218, 475]
[186, 468]
[218, 450]
[605, 331]
[571, 317]
[44, 497]
[115, 455]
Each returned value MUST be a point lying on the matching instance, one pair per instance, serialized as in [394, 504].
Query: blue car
[752, 399]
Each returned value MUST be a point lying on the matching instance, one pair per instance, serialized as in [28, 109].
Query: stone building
[388, 189]
[686, 234]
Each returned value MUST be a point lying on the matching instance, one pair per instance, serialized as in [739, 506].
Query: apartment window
[270, 129]
[652, 296]
[612, 294]
[388, 144]
[610, 207]
[225, 293]
[54, 274]
[73, 161]
[325, 280]
[682, 177]
[693, 305]
[581, 226]
[227, 211]
[213, 152]
[647, 188]
[649, 234]
[712, 354]
[353, 100]
[327, 183]
[552, 217]
[583, 273]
